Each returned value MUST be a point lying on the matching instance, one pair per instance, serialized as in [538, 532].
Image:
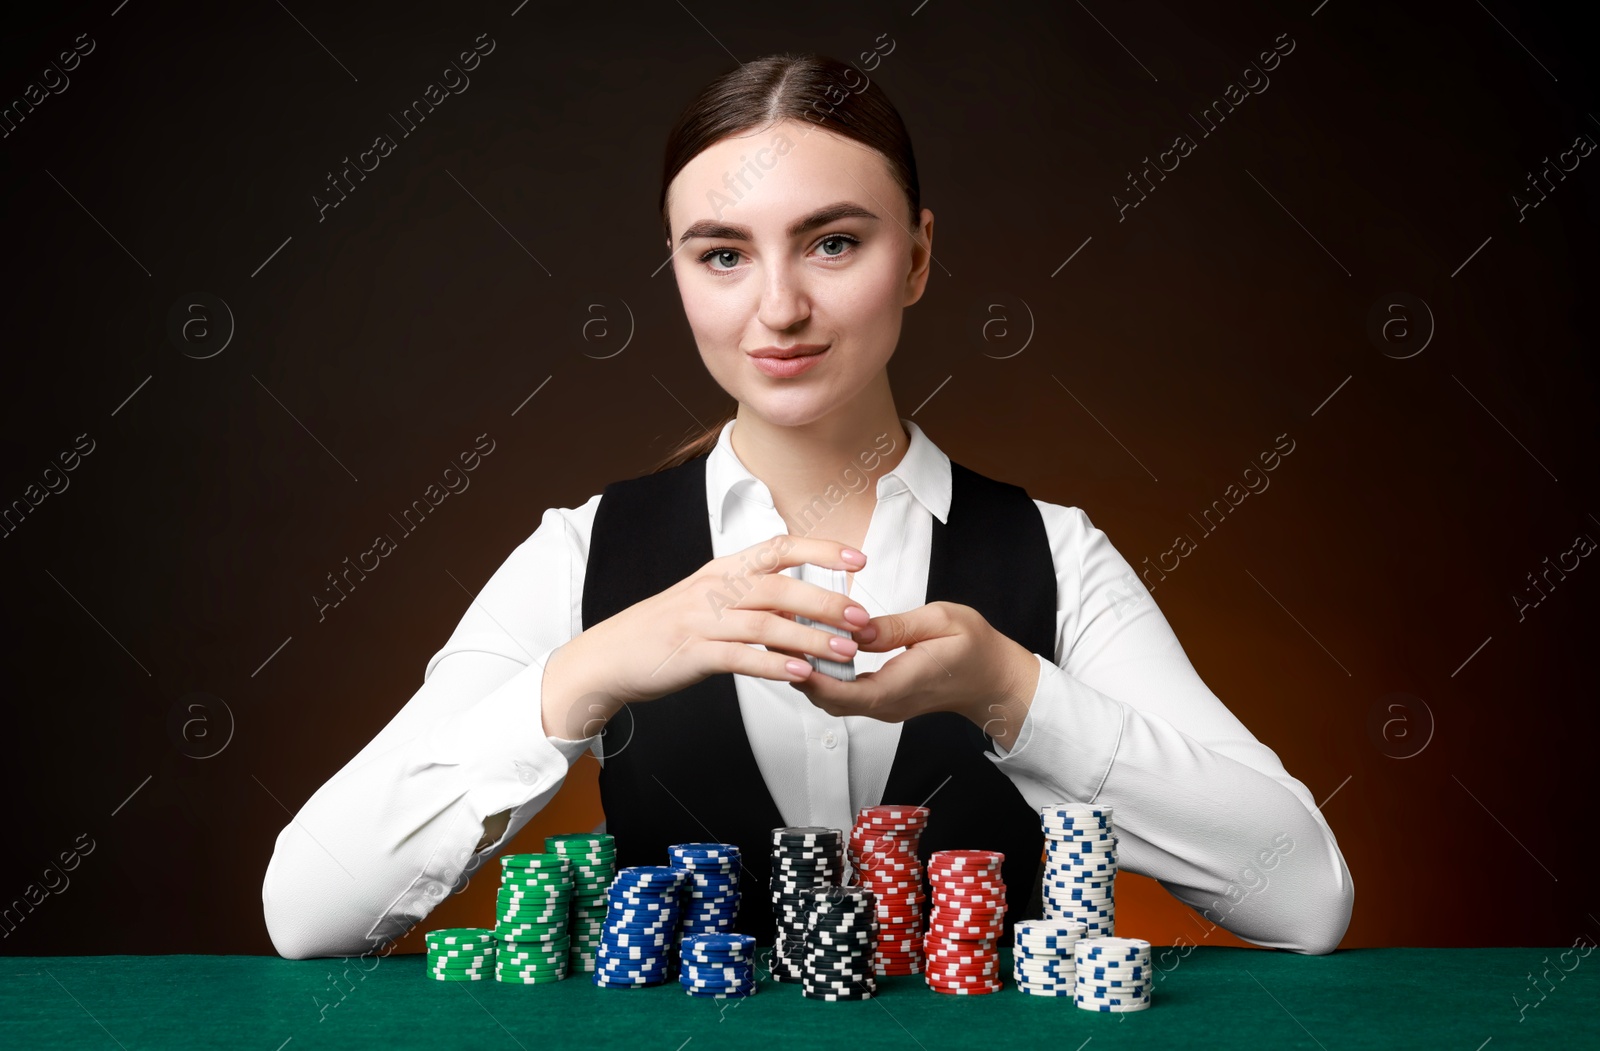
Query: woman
[1008, 656]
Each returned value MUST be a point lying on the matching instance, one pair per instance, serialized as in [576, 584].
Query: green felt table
[1204, 997]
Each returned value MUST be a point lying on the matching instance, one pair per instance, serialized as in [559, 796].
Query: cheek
[714, 317]
[870, 307]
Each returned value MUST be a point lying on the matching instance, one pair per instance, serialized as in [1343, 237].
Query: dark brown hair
[829, 93]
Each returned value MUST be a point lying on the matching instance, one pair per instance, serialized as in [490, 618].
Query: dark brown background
[457, 279]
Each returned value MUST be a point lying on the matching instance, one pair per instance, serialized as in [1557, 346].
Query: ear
[921, 258]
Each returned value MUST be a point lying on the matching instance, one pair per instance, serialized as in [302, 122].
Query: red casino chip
[968, 902]
[967, 891]
[900, 921]
[911, 904]
[967, 857]
[885, 860]
[963, 891]
[970, 991]
[901, 949]
[958, 953]
[893, 812]
[963, 932]
[905, 963]
[975, 914]
[956, 970]
[890, 882]
[963, 868]
[979, 981]
[986, 879]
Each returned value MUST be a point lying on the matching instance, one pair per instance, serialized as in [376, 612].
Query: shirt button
[829, 739]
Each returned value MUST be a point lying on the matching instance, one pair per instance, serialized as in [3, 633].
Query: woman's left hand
[955, 661]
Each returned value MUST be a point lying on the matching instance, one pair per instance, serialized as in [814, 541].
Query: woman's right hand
[703, 626]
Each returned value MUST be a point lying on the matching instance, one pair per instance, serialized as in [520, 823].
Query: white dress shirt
[1119, 718]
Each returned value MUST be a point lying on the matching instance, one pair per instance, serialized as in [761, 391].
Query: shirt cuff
[1069, 738]
[499, 747]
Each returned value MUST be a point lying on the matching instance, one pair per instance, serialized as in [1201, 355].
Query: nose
[784, 301]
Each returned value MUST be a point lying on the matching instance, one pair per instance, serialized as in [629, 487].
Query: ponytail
[700, 445]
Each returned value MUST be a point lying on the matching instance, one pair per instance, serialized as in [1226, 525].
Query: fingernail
[800, 668]
[857, 616]
[843, 647]
[850, 554]
[866, 634]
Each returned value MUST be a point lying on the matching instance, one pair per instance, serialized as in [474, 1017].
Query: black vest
[684, 770]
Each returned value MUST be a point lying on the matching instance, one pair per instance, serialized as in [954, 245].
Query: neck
[863, 438]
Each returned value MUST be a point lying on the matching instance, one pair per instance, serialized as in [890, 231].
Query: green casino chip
[555, 895]
[516, 943]
[459, 937]
[533, 968]
[539, 963]
[580, 843]
[533, 861]
[536, 878]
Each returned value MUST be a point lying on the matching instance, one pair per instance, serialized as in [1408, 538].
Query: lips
[780, 367]
[796, 350]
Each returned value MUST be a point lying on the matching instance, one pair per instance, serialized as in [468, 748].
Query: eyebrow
[821, 217]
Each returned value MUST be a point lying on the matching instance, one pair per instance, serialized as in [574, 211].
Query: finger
[864, 696]
[935, 620]
[787, 550]
[893, 630]
[779, 633]
[741, 659]
[795, 597]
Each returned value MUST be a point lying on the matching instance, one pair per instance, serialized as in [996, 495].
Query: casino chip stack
[720, 966]
[1042, 958]
[841, 940]
[533, 915]
[638, 942]
[711, 877]
[803, 860]
[883, 853]
[1080, 866]
[968, 918]
[1113, 974]
[460, 954]
[593, 859]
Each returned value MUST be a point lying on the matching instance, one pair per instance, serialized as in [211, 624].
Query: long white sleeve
[1121, 718]
[394, 832]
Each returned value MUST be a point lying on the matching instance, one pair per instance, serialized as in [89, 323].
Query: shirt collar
[924, 470]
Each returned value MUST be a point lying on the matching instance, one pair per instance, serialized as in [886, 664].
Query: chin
[790, 408]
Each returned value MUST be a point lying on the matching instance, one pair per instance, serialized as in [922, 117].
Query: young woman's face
[794, 235]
